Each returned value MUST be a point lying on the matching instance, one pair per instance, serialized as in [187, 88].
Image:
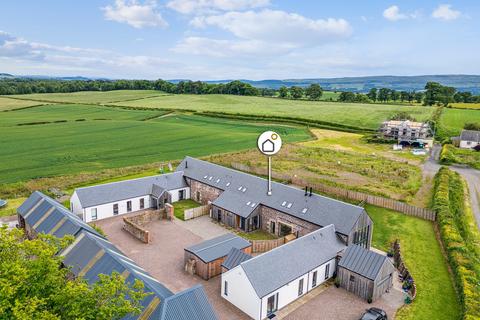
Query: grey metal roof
[117, 191]
[321, 210]
[210, 250]
[276, 268]
[187, 305]
[234, 258]
[46, 215]
[236, 203]
[362, 261]
[470, 135]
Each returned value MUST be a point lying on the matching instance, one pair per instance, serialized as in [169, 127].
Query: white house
[469, 139]
[111, 199]
[266, 283]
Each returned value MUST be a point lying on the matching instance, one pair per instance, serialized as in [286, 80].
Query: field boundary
[402, 207]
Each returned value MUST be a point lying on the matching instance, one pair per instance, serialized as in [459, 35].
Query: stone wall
[135, 225]
[206, 192]
[268, 215]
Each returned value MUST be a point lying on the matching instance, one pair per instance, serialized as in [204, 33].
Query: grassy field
[96, 97]
[11, 207]
[181, 206]
[436, 298]
[461, 105]
[344, 160]
[122, 139]
[361, 116]
[453, 120]
[12, 104]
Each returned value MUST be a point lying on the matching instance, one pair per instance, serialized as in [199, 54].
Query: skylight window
[228, 183]
[253, 205]
[205, 177]
[284, 203]
[240, 188]
[244, 189]
[210, 179]
[248, 203]
[304, 210]
[289, 205]
[218, 180]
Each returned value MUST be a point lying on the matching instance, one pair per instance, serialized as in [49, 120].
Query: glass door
[272, 304]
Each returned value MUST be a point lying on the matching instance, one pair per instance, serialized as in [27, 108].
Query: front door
[272, 304]
[181, 194]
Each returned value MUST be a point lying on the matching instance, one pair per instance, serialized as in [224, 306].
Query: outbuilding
[365, 273]
[205, 259]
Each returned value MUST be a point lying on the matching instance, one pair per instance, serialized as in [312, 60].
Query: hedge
[460, 238]
[451, 154]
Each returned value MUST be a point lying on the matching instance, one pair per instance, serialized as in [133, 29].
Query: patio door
[272, 304]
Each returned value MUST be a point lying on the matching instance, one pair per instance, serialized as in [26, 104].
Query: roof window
[240, 188]
[244, 189]
[248, 203]
[289, 205]
[284, 203]
[253, 205]
[304, 210]
[218, 180]
[210, 179]
[228, 183]
[205, 177]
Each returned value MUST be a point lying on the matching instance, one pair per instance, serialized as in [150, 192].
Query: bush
[460, 239]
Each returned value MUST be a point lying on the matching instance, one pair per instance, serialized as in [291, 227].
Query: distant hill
[6, 75]
[363, 84]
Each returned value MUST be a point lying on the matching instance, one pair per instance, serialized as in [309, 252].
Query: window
[198, 196]
[300, 287]
[272, 304]
[115, 209]
[142, 203]
[225, 288]
[304, 210]
[352, 278]
[314, 279]
[272, 227]
[327, 271]
[289, 205]
[93, 213]
[181, 194]
[284, 203]
[129, 206]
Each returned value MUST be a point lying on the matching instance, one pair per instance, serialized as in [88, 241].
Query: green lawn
[256, 235]
[436, 297]
[11, 104]
[120, 139]
[11, 207]
[182, 205]
[453, 120]
[92, 96]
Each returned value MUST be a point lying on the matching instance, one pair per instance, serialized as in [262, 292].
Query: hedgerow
[460, 238]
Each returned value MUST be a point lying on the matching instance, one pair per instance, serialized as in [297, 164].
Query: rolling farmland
[453, 120]
[63, 139]
[7, 104]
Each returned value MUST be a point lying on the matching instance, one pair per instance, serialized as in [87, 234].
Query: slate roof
[187, 305]
[116, 191]
[234, 258]
[321, 210]
[46, 215]
[212, 249]
[276, 268]
[362, 261]
[470, 135]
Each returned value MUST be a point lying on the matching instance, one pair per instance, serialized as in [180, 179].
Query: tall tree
[372, 94]
[34, 285]
[283, 92]
[383, 94]
[435, 93]
[314, 91]
[296, 92]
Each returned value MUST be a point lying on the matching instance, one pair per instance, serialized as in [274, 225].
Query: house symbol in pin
[268, 146]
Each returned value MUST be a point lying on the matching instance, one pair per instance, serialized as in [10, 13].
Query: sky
[239, 39]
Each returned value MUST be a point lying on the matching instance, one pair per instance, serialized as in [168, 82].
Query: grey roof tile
[234, 258]
[116, 191]
[210, 250]
[470, 135]
[321, 211]
[276, 268]
[362, 261]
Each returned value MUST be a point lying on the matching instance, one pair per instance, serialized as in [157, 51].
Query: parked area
[164, 260]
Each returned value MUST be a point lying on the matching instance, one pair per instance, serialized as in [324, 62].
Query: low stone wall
[135, 225]
[403, 271]
[259, 246]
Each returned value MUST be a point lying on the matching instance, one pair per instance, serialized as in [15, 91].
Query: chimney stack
[306, 191]
[311, 190]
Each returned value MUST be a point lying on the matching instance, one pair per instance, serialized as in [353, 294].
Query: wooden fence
[392, 204]
[266, 245]
[196, 212]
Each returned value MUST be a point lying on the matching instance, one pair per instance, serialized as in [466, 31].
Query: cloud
[210, 6]
[135, 14]
[277, 27]
[446, 13]
[393, 13]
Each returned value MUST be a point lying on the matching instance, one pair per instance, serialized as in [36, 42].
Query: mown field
[453, 120]
[361, 116]
[344, 160]
[461, 105]
[64, 139]
[436, 298]
[7, 104]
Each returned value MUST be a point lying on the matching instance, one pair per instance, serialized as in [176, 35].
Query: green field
[120, 139]
[453, 120]
[436, 298]
[361, 116]
[462, 105]
[96, 97]
[12, 104]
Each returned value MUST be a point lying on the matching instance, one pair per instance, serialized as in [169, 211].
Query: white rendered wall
[464, 144]
[106, 210]
[240, 292]
[174, 194]
[75, 205]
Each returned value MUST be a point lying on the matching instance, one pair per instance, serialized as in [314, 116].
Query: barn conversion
[111, 199]
[90, 255]
[206, 258]
[266, 283]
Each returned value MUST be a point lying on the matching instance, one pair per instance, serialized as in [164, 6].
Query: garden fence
[196, 212]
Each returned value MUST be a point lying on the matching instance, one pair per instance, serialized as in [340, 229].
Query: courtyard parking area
[163, 259]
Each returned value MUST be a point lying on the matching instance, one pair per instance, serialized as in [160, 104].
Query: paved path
[472, 177]
[202, 227]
